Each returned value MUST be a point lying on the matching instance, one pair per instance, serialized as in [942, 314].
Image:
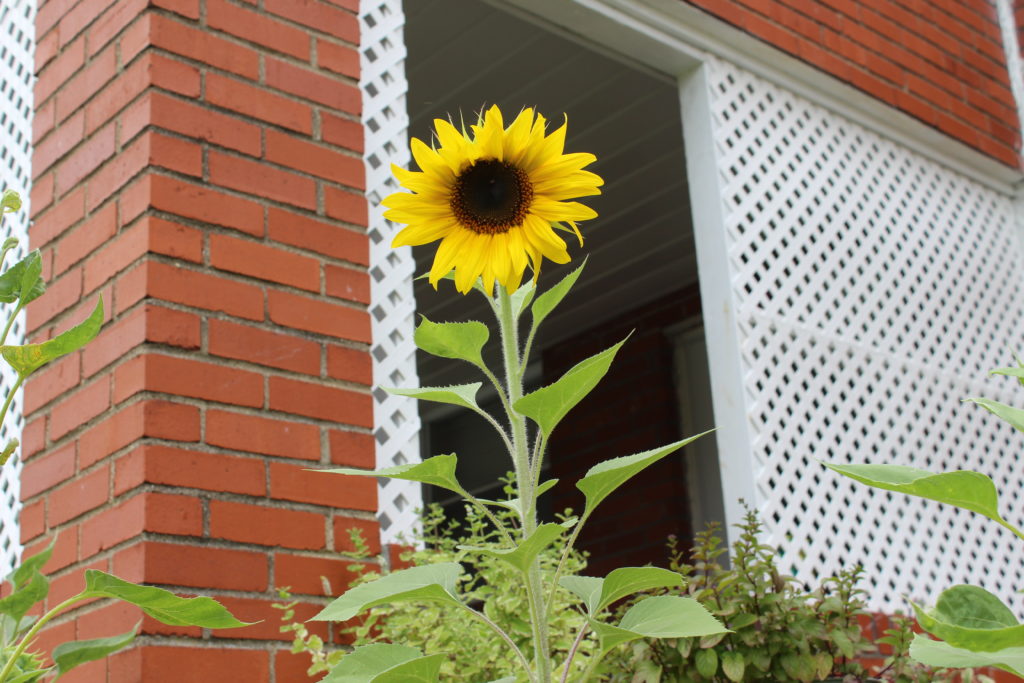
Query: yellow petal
[423, 233]
[561, 211]
[447, 253]
[430, 162]
[518, 136]
[544, 239]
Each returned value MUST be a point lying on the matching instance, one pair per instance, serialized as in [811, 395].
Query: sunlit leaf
[29, 585]
[664, 616]
[523, 555]
[514, 504]
[546, 302]
[438, 470]
[938, 654]
[548, 405]
[10, 201]
[970, 617]
[385, 663]
[162, 605]
[603, 478]
[30, 357]
[460, 394]
[1014, 416]
[432, 583]
[69, 655]
[11, 280]
[460, 341]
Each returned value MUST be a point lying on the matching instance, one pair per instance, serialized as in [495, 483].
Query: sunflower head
[494, 197]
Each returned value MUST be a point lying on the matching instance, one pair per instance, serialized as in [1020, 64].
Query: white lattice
[873, 290]
[386, 122]
[17, 45]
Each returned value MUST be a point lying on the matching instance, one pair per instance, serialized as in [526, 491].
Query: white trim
[1014, 66]
[671, 36]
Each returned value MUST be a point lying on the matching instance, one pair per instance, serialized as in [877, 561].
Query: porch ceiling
[464, 54]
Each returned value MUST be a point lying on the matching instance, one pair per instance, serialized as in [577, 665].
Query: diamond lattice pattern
[874, 289]
[385, 123]
[17, 36]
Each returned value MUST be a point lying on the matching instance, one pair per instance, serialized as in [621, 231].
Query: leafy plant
[972, 626]
[21, 284]
[779, 630]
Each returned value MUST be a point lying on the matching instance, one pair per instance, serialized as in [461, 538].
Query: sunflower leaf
[386, 663]
[459, 394]
[546, 302]
[548, 405]
[426, 583]
[162, 605]
[9, 201]
[436, 471]
[28, 358]
[663, 616]
[937, 653]
[460, 341]
[522, 556]
[69, 655]
[11, 281]
[970, 617]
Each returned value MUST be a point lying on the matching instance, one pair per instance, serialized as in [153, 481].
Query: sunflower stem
[508, 324]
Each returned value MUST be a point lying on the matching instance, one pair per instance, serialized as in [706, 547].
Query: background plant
[21, 284]
[972, 626]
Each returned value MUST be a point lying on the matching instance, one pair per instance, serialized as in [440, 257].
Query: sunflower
[493, 198]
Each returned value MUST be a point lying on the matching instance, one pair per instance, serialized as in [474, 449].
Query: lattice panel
[17, 45]
[385, 123]
[874, 289]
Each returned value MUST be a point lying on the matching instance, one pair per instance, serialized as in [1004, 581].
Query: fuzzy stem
[497, 629]
[36, 627]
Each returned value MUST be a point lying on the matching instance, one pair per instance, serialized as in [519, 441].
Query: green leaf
[799, 666]
[733, 665]
[603, 478]
[69, 655]
[664, 616]
[10, 201]
[1015, 416]
[939, 654]
[969, 490]
[385, 663]
[162, 605]
[432, 583]
[972, 618]
[461, 341]
[522, 297]
[548, 405]
[8, 451]
[30, 278]
[547, 301]
[438, 470]
[523, 555]
[514, 504]
[707, 663]
[12, 278]
[30, 357]
[599, 593]
[28, 585]
[460, 394]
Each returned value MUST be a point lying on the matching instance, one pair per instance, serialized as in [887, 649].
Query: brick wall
[198, 165]
[940, 61]
[633, 409]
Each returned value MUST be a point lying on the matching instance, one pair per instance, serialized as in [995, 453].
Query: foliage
[972, 627]
[780, 631]
[21, 284]
[510, 581]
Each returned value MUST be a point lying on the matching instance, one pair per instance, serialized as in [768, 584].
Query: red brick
[263, 347]
[85, 83]
[352, 449]
[44, 120]
[85, 159]
[205, 567]
[77, 18]
[259, 179]
[177, 664]
[265, 262]
[341, 59]
[201, 290]
[318, 16]
[41, 474]
[32, 521]
[150, 418]
[82, 240]
[41, 194]
[80, 407]
[189, 119]
[112, 22]
[312, 85]
[155, 464]
[257, 103]
[187, 377]
[50, 13]
[304, 575]
[70, 60]
[298, 484]
[171, 327]
[78, 496]
[346, 133]
[186, 8]
[147, 151]
[267, 620]
[324, 238]
[33, 437]
[346, 206]
[65, 550]
[323, 162]
[150, 234]
[115, 341]
[60, 296]
[264, 435]
[51, 381]
[321, 402]
[204, 204]
[257, 28]
[246, 523]
[201, 46]
[46, 50]
[153, 512]
[321, 317]
[353, 365]
[343, 527]
[347, 283]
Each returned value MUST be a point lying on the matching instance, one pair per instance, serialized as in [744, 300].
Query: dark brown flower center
[491, 197]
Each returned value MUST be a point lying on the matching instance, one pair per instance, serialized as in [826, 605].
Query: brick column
[198, 164]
